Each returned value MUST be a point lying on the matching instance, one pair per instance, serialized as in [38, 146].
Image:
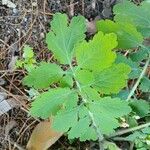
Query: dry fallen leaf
[43, 136]
[91, 25]
[71, 8]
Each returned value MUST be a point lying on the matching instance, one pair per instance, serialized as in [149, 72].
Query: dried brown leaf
[43, 136]
[91, 25]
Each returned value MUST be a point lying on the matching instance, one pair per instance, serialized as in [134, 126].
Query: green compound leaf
[64, 36]
[131, 13]
[111, 80]
[48, 103]
[97, 54]
[43, 75]
[128, 36]
[95, 73]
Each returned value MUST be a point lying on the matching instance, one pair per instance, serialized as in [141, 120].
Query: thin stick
[139, 79]
[83, 10]
[129, 130]
[13, 96]
[44, 8]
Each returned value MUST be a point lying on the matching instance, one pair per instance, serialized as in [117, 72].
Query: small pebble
[15, 11]
[42, 35]
[2, 81]
[3, 96]
[34, 4]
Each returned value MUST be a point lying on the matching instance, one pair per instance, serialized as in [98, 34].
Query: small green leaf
[64, 36]
[131, 13]
[43, 76]
[28, 52]
[134, 136]
[82, 125]
[89, 134]
[139, 55]
[145, 85]
[28, 62]
[128, 36]
[123, 94]
[131, 121]
[135, 69]
[146, 130]
[48, 103]
[110, 146]
[90, 93]
[64, 120]
[107, 110]
[19, 63]
[29, 67]
[84, 77]
[97, 54]
[111, 80]
[66, 81]
[141, 107]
